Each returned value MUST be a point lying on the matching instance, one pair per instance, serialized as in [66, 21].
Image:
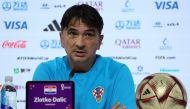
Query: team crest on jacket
[98, 93]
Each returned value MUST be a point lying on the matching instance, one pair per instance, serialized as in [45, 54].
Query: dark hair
[84, 12]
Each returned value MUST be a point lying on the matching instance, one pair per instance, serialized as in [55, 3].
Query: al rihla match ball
[161, 91]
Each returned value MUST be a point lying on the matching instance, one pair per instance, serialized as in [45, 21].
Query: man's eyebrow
[71, 29]
[90, 30]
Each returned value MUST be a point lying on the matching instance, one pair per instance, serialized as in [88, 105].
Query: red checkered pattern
[101, 92]
[96, 94]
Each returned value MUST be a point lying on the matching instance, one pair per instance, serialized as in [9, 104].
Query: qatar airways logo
[96, 4]
[128, 43]
[14, 44]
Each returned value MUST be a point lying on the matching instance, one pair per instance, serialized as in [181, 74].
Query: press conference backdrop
[148, 35]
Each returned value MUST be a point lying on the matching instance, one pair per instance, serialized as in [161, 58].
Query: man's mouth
[80, 53]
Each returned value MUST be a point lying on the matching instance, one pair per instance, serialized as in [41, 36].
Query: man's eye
[72, 33]
[90, 35]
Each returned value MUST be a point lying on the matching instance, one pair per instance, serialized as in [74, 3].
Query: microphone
[71, 74]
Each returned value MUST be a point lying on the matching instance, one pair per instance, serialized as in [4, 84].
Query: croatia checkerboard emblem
[98, 93]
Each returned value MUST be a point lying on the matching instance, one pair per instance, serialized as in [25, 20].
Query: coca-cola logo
[14, 44]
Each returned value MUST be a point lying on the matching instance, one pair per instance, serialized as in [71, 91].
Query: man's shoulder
[110, 66]
[56, 62]
[109, 61]
[49, 69]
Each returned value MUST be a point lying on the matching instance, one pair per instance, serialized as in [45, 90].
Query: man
[100, 82]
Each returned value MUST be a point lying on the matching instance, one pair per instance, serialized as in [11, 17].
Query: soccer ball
[161, 91]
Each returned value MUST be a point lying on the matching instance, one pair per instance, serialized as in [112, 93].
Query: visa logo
[166, 5]
[15, 25]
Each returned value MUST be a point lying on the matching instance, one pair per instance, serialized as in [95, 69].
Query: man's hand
[117, 106]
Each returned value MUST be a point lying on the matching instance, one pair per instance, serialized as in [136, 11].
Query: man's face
[80, 42]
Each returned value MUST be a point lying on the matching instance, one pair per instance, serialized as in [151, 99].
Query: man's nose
[80, 42]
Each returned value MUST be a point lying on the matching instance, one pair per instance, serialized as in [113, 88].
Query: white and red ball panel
[161, 91]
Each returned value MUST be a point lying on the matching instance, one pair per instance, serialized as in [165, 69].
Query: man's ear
[101, 38]
[60, 34]
[100, 41]
[61, 38]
